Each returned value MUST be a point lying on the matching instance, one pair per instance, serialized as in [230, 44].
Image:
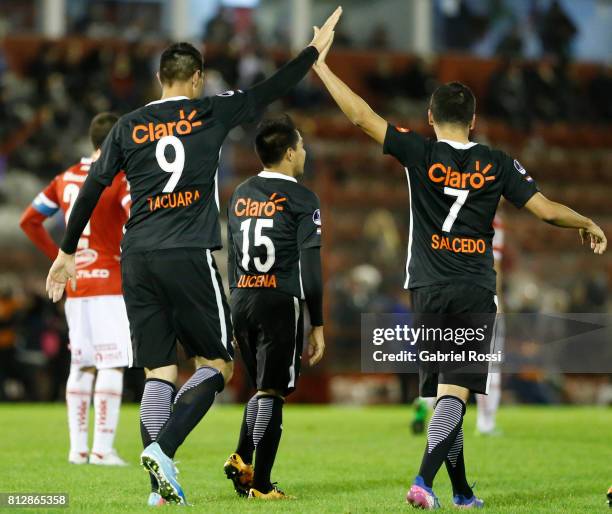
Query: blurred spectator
[507, 95]
[556, 30]
[383, 239]
[511, 45]
[599, 94]
[10, 310]
[379, 38]
[219, 29]
[461, 24]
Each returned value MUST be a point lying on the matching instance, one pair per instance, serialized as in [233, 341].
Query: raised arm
[295, 70]
[352, 105]
[562, 216]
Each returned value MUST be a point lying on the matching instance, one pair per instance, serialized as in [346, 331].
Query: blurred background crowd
[542, 80]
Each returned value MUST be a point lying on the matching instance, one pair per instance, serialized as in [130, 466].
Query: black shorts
[269, 330]
[461, 299]
[171, 295]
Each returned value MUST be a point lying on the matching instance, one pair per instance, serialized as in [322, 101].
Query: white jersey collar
[274, 174]
[457, 145]
[169, 99]
[86, 160]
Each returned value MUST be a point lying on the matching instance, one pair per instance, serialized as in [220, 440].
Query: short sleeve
[406, 146]
[111, 159]
[518, 186]
[233, 108]
[309, 222]
[47, 201]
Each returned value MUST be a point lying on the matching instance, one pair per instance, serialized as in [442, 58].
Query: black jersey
[271, 218]
[454, 192]
[169, 150]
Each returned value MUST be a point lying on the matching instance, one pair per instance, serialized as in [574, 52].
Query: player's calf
[190, 405]
[78, 398]
[266, 437]
[107, 404]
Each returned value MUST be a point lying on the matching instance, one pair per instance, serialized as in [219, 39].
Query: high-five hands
[324, 36]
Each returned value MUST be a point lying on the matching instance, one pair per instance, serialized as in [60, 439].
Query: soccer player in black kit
[169, 150]
[274, 237]
[455, 186]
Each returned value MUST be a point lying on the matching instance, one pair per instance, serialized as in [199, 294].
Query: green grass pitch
[334, 459]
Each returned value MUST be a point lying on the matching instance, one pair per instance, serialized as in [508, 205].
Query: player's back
[454, 192]
[169, 150]
[271, 217]
[97, 258]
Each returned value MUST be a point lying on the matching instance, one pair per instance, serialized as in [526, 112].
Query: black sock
[456, 468]
[246, 447]
[266, 437]
[155, 409]
[191, 403]
[441, 434]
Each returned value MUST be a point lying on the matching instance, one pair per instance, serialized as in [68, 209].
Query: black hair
[274, 137]
[453, 103]
[179, 62]
[100, 126]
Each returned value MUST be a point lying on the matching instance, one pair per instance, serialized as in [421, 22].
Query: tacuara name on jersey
[173, 200]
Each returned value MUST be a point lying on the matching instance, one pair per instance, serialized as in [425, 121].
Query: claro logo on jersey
[155, 131]
[247, 207]
[445, 175]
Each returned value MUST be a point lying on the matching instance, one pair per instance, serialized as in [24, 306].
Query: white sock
[78, 398]
[107, 402]
[488, 405]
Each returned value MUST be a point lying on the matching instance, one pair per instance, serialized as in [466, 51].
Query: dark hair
[179, 62]
[100, 126]
[453, 103]
[274, 137]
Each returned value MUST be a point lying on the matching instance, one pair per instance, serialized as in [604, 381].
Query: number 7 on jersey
[461, 195]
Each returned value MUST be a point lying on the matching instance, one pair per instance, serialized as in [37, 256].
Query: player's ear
[430, 117]
[195, 79]
[289, 154]
[473, 122]
[159, 79]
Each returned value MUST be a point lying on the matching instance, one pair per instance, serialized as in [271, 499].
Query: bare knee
[167, 373]
[271, 392]
[454, 390]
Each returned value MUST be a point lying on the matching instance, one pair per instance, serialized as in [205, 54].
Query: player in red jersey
[95, 310]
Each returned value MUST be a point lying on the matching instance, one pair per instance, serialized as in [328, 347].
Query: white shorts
[99, 332]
